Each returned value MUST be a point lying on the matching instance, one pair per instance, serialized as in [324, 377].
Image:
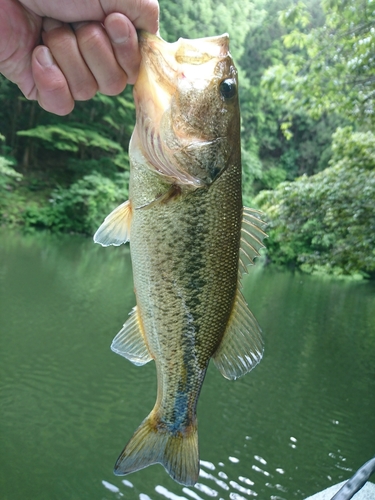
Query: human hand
[88, 46]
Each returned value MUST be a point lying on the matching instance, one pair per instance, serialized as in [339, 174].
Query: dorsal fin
[115, 229]
[241, 347]
[252, 236]
[130, 341]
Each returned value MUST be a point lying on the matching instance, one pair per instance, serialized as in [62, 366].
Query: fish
[191, 241]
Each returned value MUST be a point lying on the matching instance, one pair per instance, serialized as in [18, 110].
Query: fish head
[188, 120]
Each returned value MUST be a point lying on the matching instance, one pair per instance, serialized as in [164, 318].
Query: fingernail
[44, 57]
[117, 32]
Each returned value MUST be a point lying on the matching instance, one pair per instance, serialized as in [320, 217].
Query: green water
[302, 420]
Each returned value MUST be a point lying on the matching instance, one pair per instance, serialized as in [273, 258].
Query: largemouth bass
[190, 241]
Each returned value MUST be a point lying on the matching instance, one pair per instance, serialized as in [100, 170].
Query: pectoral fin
[130, 341]
[241, 347]
[115, 229]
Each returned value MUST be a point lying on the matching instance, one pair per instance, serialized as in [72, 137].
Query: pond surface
[303, 420]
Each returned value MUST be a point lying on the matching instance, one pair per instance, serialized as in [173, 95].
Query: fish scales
[181, 263]
[189, 235]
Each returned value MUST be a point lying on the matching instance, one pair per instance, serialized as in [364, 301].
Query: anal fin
[130, 341]
[115, 229]
[241, 347]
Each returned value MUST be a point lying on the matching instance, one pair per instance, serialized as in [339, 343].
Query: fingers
[60, 73]
[51, 88]
[124, 40]
[63, 44]
[79, 60]
[144, 14]
[99, 55]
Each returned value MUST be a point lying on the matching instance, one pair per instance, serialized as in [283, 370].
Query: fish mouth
[158, 60]
[163, 63]
[184, 51]
[166, 62]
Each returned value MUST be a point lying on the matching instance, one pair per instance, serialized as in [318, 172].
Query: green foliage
[84, 153]
[81, 207]
[306, 67]
[327, 221]
[192, 19]
[273, 177]
[251, 170]
[70, 137]
[104, 165]
[291, 141]
[7, 174]
[335, 70]
[353, 150]
[9, 178]
[295, 15]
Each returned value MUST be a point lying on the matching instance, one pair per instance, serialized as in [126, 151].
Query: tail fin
[152, 443]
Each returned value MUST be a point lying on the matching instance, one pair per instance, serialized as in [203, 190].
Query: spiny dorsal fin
[252, 236]
[130, 341]
[115, 229]
[241, 347]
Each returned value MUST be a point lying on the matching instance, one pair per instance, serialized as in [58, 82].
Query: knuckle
[84, 91]
[115, 85]
[90, 37]
[59, 40]
[30, 94]
[152, 9]
[55, 86]
[152, 6]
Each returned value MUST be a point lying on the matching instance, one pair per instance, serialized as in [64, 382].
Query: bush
[8, 176]
[9, 202]
[326, 222]
[81, 207]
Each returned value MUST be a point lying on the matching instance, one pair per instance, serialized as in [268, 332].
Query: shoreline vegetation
[307, 75]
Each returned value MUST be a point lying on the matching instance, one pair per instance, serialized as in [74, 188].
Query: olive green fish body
[185, 266]
[190, 241]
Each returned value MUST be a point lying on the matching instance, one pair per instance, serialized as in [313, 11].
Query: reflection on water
[214, 482]
[303, 420]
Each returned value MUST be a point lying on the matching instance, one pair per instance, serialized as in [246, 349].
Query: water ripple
[303, 420]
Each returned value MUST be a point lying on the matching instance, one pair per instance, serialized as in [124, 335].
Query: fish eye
[228, 88]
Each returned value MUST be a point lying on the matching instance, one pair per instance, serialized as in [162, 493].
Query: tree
[333, 69]
[326, 222]
[306, 146]
[192, 19]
